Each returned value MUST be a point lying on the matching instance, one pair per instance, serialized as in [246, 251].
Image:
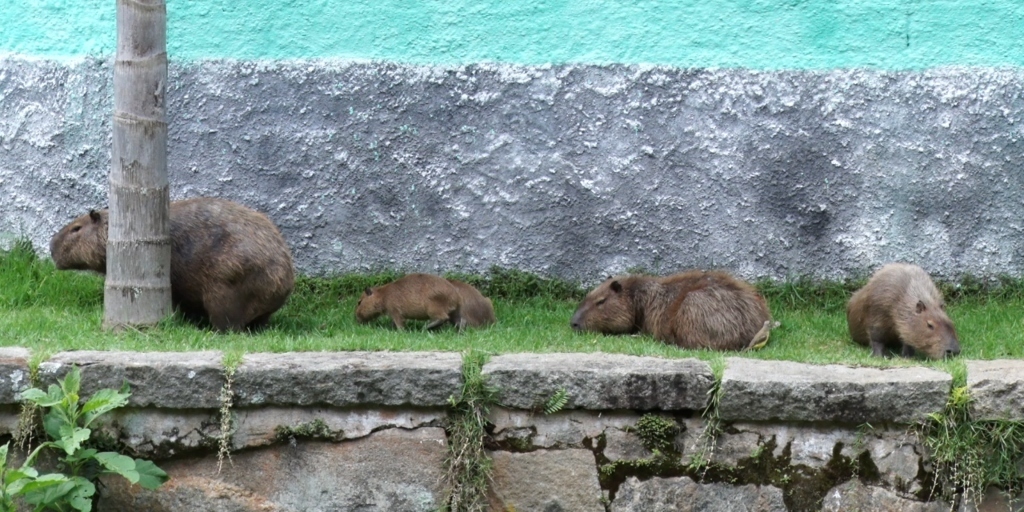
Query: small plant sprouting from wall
[704, 447]
[467, 466]
[968, 455]
[556, 402]
[226, 417]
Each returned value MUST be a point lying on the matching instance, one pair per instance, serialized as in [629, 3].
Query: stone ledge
[14, 373]
[601, 381]
[755, 390]
[996, 388]
[176, 380]
[344, 379]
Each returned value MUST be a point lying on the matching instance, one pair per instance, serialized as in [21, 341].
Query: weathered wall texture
[569, 171]
[794, 437]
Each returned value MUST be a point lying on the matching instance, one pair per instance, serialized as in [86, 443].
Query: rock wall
[572, 171]
[366, 431]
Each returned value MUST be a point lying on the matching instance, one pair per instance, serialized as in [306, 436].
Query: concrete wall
[366, 431]
[573, 139]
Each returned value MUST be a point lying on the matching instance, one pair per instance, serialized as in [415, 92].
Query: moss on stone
[316, 429]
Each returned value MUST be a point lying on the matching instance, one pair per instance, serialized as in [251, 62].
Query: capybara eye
[598, 303]
[931, 326]
[75, 229]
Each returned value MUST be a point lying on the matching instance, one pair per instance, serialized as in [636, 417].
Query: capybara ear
[94, 215]
[368, 291]
[920, 306]
[616, 287]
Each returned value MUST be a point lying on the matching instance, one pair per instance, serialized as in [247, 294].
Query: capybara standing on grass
[694, 309]
[229, 264]
[413, 297]
[901, 307]
[475, 309]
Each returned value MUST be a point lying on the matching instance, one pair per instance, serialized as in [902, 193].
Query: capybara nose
[575, 325]
[950, 352]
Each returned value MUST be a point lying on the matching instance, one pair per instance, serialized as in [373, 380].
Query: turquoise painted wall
[759, 34]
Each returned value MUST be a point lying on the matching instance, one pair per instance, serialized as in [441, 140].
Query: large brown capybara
[694, 309]
[475, 310]
[901, 307]
[229, 264]
[413, 297]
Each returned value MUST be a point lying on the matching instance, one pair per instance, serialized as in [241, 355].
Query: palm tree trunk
[138, 283]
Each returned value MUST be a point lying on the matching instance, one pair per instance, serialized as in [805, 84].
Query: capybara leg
[259, 323]
[457, 320]
[435, 323]
[907, 351]
[877, 342]
[398, 320]
[226, 310]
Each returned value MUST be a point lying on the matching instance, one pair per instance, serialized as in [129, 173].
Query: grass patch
[48, 311]
[969, 455]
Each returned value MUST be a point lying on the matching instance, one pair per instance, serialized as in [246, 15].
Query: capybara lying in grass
[694, 309]
[901, 307]
[229, 264]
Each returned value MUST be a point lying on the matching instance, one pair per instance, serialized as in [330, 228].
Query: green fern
[556, 402]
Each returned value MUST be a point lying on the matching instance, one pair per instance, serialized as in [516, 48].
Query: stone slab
[684, 495]
[754, 390]
[392, 470]
[997, 389]
[14, 373]
[342, 379]
[600, 381]
[178, 380]
[545, 480]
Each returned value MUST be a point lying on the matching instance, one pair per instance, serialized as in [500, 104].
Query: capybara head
[607, 309]
[370, 305]
[82, 244]
[930, 331]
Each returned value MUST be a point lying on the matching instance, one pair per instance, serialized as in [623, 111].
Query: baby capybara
[694, 309]
[229, 264]
[413, 297]
[901, 307]
[475, 309]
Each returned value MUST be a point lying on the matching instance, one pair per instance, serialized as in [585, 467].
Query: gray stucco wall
[569, 171]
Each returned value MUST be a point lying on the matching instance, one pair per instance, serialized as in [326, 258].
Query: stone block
[564, 429]
[176, 380]
[392, 470]
[343, 379]
[854, 495]
[14, 373]
[601, 381]
[754, 390]
[545, 480]
[684, 495]
[997, 389]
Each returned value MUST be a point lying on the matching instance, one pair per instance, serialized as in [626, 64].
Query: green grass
[49, 311]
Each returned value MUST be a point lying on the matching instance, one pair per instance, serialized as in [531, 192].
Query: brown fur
[476, 310]
[229, 264]
[413, 297]
[694, 309]
[901, 307]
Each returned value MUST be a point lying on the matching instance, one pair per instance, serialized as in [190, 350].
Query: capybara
[229, 264]
[694, 309]
[413, 297]
[475, 310]
[901, 307]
